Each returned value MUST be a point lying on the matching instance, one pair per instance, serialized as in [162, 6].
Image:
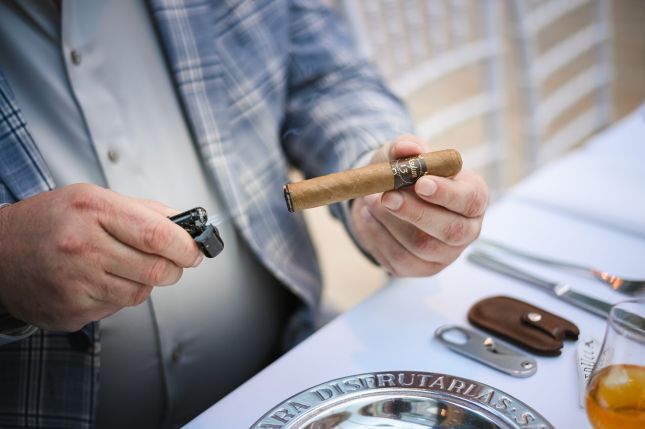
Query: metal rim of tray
[402, 399]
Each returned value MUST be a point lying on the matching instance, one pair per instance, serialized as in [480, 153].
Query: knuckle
[455, 232]
[84, 197]
[476, 204]
[70, 244]
[435, 249]
[422, 243]
[156, 236]
[157, 272]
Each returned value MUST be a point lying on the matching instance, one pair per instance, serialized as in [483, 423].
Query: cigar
[370, 179]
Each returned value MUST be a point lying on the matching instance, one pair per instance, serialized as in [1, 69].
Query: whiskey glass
[615, 394]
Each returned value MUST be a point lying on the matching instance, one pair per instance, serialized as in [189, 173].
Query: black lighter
[206, 236]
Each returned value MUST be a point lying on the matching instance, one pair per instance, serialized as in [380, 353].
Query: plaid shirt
[265, 84]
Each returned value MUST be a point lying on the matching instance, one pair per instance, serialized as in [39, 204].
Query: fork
[625, 286]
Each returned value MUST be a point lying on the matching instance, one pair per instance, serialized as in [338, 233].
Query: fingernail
[426, 186]
[392, 200]
[198, 261]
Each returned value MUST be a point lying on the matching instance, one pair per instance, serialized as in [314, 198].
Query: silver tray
[402, 400]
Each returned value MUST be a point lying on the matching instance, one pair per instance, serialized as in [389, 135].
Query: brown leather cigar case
[521, 323]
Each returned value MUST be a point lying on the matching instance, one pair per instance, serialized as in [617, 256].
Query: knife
[560, 289]
[630, 321]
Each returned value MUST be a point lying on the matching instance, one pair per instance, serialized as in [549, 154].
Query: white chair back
[566, 73]
[423, 47]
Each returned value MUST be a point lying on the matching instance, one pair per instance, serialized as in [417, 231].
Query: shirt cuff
[12, 329]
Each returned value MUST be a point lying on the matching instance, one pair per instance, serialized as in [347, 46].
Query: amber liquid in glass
[616, 398]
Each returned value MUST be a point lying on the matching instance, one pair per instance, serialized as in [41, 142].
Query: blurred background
[512, 84]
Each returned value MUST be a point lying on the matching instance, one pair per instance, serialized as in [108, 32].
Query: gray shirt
[98, 98]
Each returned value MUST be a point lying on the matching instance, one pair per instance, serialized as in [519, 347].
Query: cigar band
[407, 171]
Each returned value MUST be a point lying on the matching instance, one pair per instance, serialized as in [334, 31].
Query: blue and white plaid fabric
[265, 84]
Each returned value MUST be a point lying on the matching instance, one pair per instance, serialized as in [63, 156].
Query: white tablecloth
[603, 182]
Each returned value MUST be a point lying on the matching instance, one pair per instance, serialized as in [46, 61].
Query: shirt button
[76, 57]
[113, 156]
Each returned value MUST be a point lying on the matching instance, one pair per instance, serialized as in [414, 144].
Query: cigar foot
[287, 198]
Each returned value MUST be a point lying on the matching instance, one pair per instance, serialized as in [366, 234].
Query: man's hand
[80, 253]
[418, 231]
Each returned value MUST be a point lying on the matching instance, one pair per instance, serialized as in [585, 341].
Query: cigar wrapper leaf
[371, 179]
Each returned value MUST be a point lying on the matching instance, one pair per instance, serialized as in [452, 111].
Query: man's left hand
[420, 230]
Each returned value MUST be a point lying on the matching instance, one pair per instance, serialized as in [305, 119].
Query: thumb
[402, 147]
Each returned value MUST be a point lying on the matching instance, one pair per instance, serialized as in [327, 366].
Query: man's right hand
[80, 253]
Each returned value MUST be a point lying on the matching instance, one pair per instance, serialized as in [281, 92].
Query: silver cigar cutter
[487, 350]
[195, 223]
